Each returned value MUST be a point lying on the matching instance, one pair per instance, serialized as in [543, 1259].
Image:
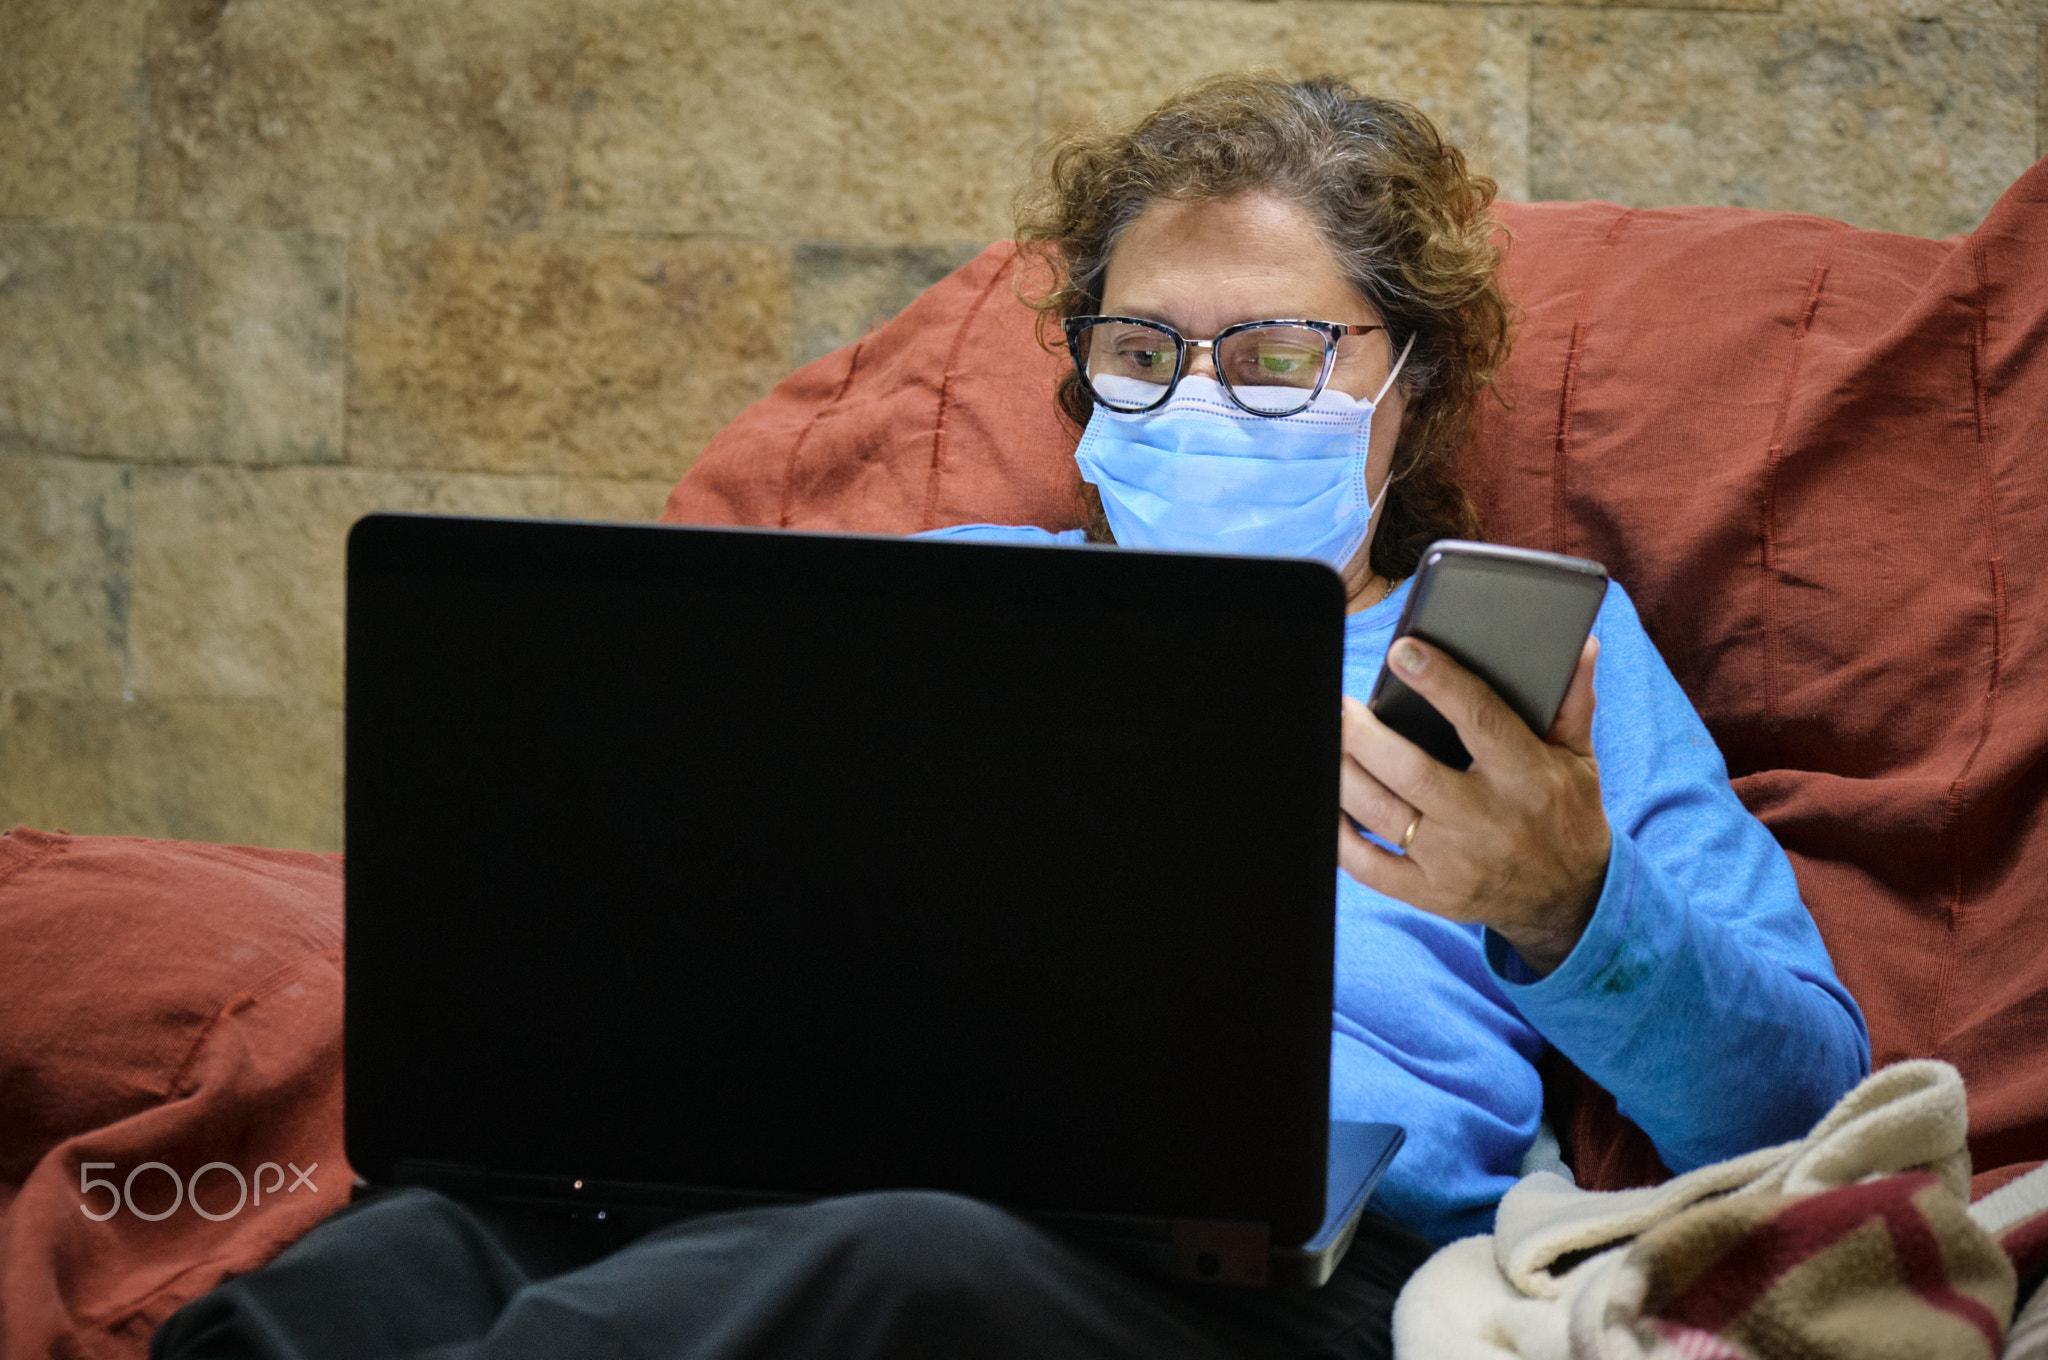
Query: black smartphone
[1515, 617]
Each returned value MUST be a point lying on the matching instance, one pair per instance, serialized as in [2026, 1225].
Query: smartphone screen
[1515, 617]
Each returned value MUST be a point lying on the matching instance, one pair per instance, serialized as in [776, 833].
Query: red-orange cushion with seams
[1816, 456]
[159, 1002]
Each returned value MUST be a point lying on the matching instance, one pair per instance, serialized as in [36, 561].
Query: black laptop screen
[814, 864]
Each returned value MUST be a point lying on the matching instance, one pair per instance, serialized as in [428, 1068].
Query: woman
[1602, 891]
[1282, 304]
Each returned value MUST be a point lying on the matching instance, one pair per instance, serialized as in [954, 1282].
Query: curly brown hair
[1408, 223]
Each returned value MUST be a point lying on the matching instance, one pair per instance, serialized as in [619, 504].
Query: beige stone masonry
[617, 502]
[439, 115]
[1893, 125]
[253, 774]
[1465, 66]
[1964, 12]
[70, 107]
[165, 343]
[64, 574]
[605, 356]
[886, 120]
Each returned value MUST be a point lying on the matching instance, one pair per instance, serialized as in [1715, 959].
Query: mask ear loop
[1394, 372]
[1373, 510]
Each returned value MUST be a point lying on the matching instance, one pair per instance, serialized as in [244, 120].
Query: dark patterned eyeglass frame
[1077, 328]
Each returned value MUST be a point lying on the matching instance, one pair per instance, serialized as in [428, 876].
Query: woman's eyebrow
[1162, 317]
[1157, 314]
[1355, 316]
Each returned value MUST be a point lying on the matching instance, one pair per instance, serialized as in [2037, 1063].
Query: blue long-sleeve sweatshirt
[1700, 995]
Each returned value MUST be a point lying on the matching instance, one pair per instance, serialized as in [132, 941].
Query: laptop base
[1211, 1251]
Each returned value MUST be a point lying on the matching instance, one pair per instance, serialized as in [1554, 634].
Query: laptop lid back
[811, 864]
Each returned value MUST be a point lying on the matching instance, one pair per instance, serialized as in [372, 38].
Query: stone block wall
[267, 265]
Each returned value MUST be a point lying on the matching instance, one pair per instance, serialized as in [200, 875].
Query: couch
[1817, 457]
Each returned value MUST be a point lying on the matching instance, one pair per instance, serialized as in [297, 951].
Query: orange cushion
[159, 1002]
[1816, 456]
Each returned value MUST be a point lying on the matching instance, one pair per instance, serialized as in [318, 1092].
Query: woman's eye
[1150, 360]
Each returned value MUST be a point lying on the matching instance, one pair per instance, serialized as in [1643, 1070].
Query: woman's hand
[1518, 842]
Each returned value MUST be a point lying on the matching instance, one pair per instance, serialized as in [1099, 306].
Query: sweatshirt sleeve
[1701, 995]
[1007, 533]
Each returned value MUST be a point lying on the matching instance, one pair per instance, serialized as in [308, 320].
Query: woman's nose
[1202, 360]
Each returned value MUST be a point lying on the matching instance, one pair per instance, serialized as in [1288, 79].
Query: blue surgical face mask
[1202, 475]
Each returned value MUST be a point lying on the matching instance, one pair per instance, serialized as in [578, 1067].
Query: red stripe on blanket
[1690, 1343]
[1809, 1226]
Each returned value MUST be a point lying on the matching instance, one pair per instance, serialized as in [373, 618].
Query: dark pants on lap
[904, 1275]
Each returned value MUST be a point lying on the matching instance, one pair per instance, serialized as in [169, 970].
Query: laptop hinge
[1221, 1250]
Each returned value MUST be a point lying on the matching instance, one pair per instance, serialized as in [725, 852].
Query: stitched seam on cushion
[241, 1001]
[796, 448]
[1987, 490]
[1560, 539]
[1560, 455]
[13, 867]
[945, 407]
[1620, 225]
[1774, 457]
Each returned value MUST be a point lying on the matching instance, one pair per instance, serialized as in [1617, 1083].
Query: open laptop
[691, 868]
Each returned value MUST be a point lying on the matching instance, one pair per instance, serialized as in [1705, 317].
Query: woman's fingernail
[1408, 656]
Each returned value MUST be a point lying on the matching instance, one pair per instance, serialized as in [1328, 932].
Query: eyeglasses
[1269, 368]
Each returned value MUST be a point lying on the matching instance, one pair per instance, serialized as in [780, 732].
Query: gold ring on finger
[1408, 836]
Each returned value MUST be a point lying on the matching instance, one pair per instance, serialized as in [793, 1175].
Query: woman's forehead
[1204, 265]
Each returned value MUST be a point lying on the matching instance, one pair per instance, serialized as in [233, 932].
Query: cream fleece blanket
[1854, 1242]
